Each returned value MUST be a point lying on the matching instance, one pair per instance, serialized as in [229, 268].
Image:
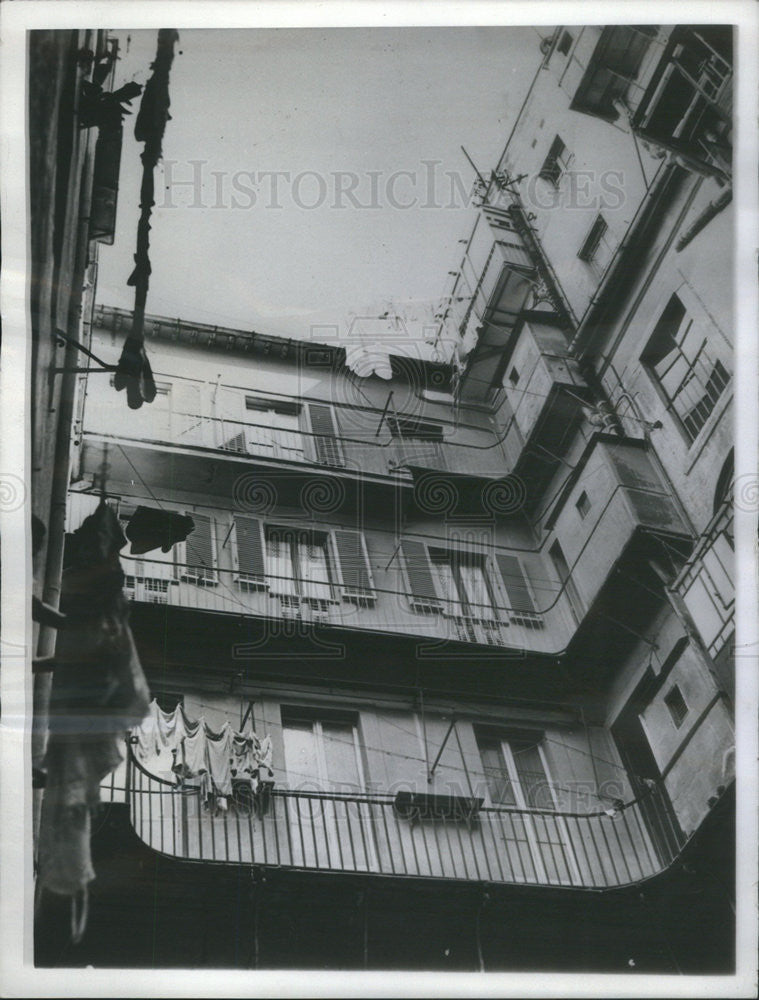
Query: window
[522, 610]
[249, 553]
[463, 584]
[515, 772]
[565, 576]
[323, 763]
[322, 750]
[583, 505]
[325, 445]
[565, 43]
[556, 163]
[676, 704]
[597, 249]
[272, 428]
[196, 556]
[298, 567]
[614, 65]
[685, 369]
[514, 376]
[517, 778]
[419, 441]
[355, 570]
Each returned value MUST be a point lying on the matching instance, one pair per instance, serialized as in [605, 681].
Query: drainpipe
[60, 477]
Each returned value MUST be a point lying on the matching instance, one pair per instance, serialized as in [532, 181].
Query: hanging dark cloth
[98, 692]
[151, 528]
[133, 371]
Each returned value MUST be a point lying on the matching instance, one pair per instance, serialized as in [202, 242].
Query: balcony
[491, 288]
[614, 509]
[545, 393]
[291, 607]
[706, 585]
[687, 107]
[155, 432]
[371, 835]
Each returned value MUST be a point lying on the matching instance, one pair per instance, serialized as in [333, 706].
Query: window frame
[299, 535]
[292, 715]
[583, 505]
[595, 240]
[691, 423]
[186, 572]
[557, 162]
[618, 83]
[676, 705]
[481, 560]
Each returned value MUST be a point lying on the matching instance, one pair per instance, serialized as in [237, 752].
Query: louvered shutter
[419, 572]
[236, 443]
[326, 445]
[250, 551]
[357, 581]
[199, 551]
[515, 583]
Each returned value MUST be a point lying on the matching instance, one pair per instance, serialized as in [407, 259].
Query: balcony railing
[371, 834]
[251, 438]
[706, 582]
[300, 602]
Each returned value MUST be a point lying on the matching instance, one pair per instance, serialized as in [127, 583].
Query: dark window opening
[514, 376]
[592, 243]
[583, 504]
[556, 162]
[565, 43]
[614, 65]
[676, 704]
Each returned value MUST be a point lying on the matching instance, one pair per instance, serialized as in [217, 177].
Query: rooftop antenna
[480, 178]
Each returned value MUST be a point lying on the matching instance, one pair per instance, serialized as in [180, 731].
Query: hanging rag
[98, 692]
[150, 527]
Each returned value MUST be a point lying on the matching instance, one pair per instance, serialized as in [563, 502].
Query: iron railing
[706, 582]
[369, 834]
[298, 602]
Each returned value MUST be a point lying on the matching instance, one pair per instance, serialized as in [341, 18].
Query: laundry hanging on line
[168, 743]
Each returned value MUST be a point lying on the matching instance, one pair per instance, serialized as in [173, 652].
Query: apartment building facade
[468, 623]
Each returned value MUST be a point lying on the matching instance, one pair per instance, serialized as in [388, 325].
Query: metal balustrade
[299, 603]
[706, 582]
[361, 451]
[369, 834]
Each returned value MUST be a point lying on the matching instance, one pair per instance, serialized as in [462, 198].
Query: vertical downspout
[60, 481]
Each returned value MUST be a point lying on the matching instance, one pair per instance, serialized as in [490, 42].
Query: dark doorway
[645, 776]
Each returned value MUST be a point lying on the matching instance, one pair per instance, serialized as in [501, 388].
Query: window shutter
[515, 583]
[199, 551]
[325, 442]
[420, 579]
[357, 580]
[250, 550]
[236, 443]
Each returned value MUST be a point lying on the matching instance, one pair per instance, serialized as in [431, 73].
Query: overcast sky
[369, 104]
